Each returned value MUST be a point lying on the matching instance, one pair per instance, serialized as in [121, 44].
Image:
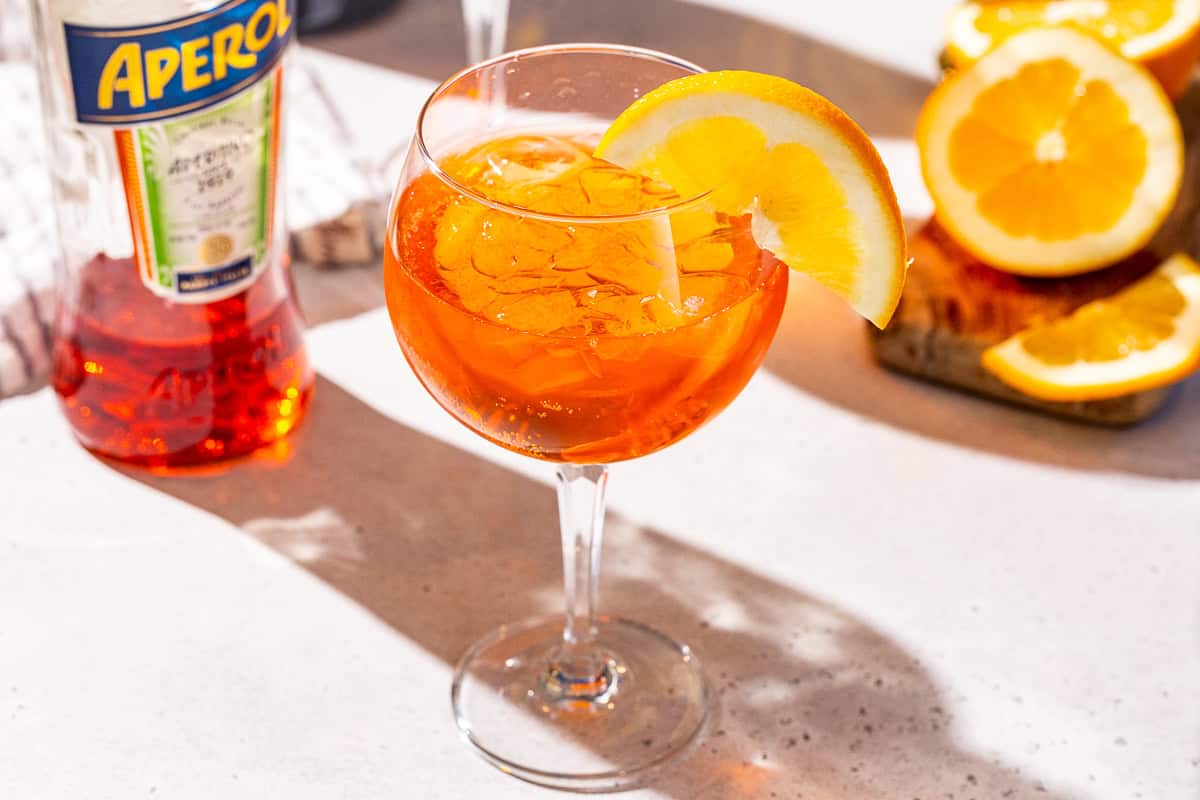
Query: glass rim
[435, 168]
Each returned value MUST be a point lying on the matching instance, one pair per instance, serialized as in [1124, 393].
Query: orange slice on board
[1143, 337]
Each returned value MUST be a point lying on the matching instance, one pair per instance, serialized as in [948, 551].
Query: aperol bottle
[178, 340]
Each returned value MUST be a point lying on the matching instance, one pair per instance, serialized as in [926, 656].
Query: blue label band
[208, 280]
[125, 76]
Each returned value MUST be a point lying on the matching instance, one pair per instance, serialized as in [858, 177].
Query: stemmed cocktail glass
[572, 311]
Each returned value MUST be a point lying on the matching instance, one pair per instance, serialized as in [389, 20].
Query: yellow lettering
[122, 73]
[227, 51]
[285, 19]
[255, 40]
[161, 65]
[193, 78]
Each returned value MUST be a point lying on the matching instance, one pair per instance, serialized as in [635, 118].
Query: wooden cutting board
[955, 307]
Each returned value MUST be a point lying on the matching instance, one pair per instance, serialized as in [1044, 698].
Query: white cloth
[27, 241]
[323, 182]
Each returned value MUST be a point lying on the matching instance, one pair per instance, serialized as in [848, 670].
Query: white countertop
[898, 591]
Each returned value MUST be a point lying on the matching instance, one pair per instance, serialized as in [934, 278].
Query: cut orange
[1051, 155]
[1144, 337]
[1162, 35]
[818, 191]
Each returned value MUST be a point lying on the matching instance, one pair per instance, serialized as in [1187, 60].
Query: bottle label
[194, 102]
[131, 75]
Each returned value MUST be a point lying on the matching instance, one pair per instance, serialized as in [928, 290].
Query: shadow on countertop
[443, 546]
[425, 38]
[821, 348]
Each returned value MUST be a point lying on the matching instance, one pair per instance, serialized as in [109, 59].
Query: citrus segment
[1162, 35]
[1051, 155]
[816, 228]
[1146, 336]
[708, 153]
[817, 190]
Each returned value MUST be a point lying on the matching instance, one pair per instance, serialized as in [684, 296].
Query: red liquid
[155, 383]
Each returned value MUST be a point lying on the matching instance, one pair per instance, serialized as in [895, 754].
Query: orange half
[1051, 155]
[1161, 35]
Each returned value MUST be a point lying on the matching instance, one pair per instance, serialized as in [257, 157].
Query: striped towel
[332, 208]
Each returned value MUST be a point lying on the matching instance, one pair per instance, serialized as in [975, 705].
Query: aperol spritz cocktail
[588, 341]
[577, 312]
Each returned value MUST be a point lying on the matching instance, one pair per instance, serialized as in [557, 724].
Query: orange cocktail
[597, 328]
[587, 256]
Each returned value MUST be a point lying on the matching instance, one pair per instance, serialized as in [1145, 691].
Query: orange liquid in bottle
[581, 341]
[161, 384]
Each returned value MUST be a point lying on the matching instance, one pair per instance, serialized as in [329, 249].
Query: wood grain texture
[954, 306]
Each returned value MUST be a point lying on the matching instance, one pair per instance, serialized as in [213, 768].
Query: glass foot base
[509, 705]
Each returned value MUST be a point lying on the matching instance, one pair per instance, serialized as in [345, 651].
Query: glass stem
[486, 22]
[577, 669]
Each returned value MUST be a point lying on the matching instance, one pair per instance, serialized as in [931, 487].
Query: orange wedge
[1144, 337]
[1161, 35]
[819, 194]
[1051, 155]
